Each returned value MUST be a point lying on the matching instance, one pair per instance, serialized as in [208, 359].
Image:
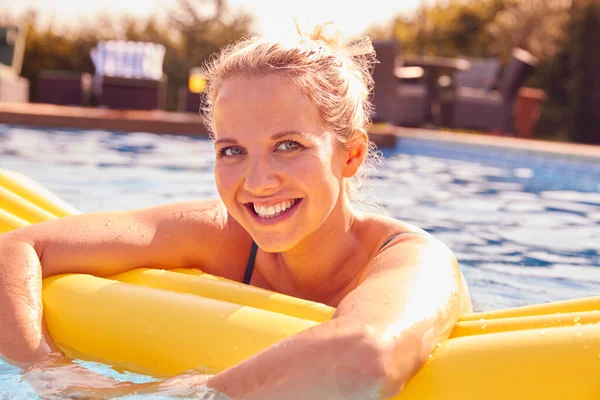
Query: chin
[274, 244]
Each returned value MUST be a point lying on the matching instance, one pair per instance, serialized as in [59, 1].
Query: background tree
[535, 25]
[449, 28]
[562, 33]
[191, 32]
[584, 77]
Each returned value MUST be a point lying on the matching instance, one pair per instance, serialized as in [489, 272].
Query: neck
[320, 266]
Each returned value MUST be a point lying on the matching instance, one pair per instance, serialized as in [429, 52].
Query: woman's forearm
[336, 360]
[22, 338]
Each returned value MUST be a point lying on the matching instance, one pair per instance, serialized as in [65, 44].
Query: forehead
[266, 105]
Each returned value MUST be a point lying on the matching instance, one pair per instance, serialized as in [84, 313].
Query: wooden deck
[53, 116]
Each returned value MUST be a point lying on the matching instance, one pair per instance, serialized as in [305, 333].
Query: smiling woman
[288, 122]
[300, 163]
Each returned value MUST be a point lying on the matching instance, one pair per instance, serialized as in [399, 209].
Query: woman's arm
[22, 339]
[382, 333]
[101, 244]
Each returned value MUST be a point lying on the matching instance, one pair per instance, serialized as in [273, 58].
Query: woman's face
[278, 169]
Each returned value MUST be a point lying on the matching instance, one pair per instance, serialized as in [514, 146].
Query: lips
[274, 211]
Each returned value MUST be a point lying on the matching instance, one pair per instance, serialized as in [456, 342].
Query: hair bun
[326, 33]
[331, 37]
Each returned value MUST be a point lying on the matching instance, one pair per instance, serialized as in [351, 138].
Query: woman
[289, 126]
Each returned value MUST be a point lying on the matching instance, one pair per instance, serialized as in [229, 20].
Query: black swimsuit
[252, 258]
[250, 265]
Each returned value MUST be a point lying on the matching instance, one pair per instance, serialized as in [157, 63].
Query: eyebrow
[276, 136]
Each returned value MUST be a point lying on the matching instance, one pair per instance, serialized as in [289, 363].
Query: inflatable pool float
[161, 323]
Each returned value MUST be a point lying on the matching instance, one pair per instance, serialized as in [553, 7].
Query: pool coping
[151, 121]
[178, 123]
[562, 149]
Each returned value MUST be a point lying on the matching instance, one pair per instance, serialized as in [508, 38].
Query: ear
[356, 153]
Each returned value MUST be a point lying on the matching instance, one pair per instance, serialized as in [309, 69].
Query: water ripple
[525, 228]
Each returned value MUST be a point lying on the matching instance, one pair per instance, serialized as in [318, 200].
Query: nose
[261, 179]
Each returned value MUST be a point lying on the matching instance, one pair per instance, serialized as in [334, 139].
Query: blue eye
[288, 145]
[232, 151]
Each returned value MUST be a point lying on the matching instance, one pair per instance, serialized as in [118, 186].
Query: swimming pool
[525, 226]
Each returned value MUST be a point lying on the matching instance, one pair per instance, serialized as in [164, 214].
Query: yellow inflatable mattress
[162, 323]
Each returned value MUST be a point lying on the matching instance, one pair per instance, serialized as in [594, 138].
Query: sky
[272, 16]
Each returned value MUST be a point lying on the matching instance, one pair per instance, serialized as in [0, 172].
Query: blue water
[524, 226]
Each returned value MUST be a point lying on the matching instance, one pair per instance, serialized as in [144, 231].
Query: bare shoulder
[394, 244]
[399, 248]
[381, 232]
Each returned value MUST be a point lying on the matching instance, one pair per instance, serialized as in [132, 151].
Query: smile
[273, 212]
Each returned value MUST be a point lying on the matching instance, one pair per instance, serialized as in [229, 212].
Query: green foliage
[571, 79]
[563, 34]
[584, 82]
[47, 50]
[553, 77]
[191, 32]
[535, 25]
[450, 28]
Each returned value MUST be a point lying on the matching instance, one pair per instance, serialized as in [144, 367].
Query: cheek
[338, 161]
[333, 165]
[226, 180]
[321, 175]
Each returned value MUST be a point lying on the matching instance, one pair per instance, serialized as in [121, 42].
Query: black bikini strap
[252, 258]
[389, 240]
[250, 265]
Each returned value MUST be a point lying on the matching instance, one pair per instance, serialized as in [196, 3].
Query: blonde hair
[336, 77]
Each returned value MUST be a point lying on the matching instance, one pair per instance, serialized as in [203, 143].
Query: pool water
[524, 226]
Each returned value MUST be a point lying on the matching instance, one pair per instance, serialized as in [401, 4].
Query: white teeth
[274, 210]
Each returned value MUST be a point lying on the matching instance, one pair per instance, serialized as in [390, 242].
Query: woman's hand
[186, 385]
[103, 244]
[54, 377]
[23, 341]
[58, 377]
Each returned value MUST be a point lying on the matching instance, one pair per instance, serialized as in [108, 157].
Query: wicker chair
[481, 102]
[67, 88]
[13, 87]
[396, 100]
[129, 75]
